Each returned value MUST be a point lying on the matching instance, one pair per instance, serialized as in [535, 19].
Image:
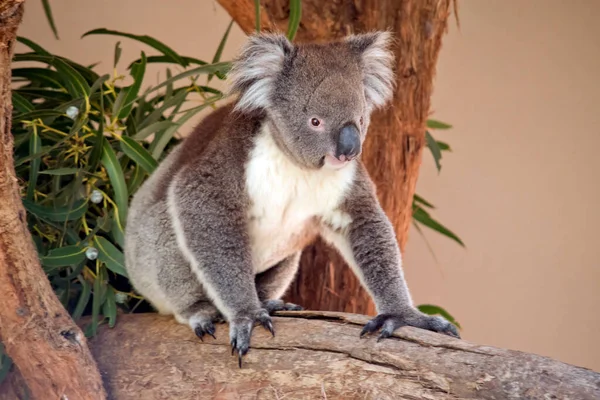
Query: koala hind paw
[388, 323]
[240, 331]
[279, 305]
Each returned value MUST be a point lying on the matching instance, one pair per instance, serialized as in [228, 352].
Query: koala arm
[368, 244]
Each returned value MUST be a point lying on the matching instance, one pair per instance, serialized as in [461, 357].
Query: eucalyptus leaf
[257, 14]
[49, 17]
[84, 299]
[219, 52]
[35, 145]
[117, 57]
[63, 256]
[435, 150]
[115, 173]
[109, 308]
[161, 142]
[294, 19]
[434, 124]
[168, 60]
[155, 44]
[21, 103]
[139, 154]
[60, 171]
[58, 214]
[137, 72]
[153, 128]
[423, 217]
[33, 46]
[112, 257]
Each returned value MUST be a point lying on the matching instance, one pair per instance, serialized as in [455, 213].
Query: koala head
[318, 98]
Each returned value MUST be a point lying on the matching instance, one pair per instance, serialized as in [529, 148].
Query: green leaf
[63, 256]
[165, 59]
[434, 124]
[21, 103]
[137, 178]
[295, 17]
[419, 199]
[109, 309]
[437, 310]
[84, 299]
[33, 46]
[30, 116]
[49, 17]
[131, 93]
[138, 153]
[159, 143]
[435, 150]
[155, 115]
[257, 14]
[99, 296]
[155, 44]
[112, 257]
[117, 235]
[60, 171]
[443, 146]
[422, 216]
[97, 85]
[35, 145]
[221, 67]
[219, 52]
[115, 173]
[58, 214]
[41, 77]
[117, 54]
[155, 127]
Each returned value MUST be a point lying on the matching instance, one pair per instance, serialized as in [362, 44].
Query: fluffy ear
[376, 60]
[254, 71]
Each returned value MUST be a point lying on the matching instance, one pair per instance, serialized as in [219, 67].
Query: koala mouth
[336, 163]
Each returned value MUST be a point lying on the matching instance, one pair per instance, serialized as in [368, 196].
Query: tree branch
[320, 355]
[37, 332]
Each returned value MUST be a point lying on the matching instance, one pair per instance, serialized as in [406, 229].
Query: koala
[216, 232]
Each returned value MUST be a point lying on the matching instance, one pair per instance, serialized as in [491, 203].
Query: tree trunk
[48, 348]
[319, 355]
[396, 137]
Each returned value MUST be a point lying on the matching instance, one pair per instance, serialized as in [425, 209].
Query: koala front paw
[240, 330]
[390, 322]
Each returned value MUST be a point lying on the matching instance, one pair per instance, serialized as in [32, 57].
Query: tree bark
[396, 137]
[320, 355]
[48, 348]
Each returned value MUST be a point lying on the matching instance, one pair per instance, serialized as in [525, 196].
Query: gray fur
[191, 239]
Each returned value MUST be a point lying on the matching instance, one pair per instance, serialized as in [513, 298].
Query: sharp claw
[213, 335]
[240, 360]
[199, 332]
[364, 331]
[233, 344]
[269, 326]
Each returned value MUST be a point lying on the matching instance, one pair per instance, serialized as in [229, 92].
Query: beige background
[519, 82]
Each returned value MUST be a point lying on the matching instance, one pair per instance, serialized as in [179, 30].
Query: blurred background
[518, 81]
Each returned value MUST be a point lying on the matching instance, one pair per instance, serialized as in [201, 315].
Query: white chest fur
[286, 200]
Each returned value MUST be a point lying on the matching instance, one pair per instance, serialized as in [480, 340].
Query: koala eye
[315, 122]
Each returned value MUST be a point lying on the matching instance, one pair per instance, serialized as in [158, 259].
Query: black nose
[348, 144]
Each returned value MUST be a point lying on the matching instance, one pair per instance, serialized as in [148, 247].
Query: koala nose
[348, 143]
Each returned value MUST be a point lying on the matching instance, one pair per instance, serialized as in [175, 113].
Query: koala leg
[272, 284]
[213, 240]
